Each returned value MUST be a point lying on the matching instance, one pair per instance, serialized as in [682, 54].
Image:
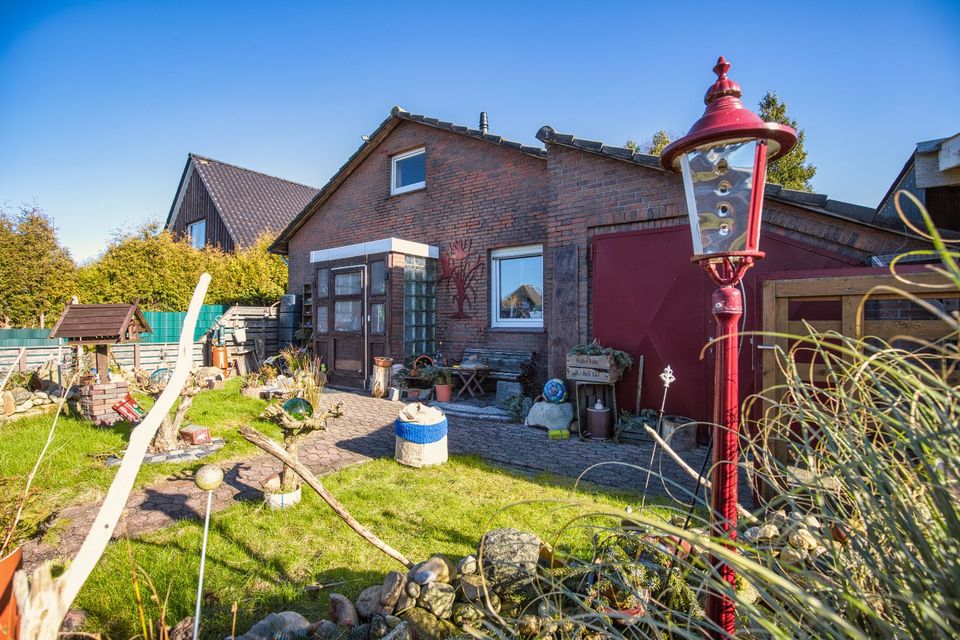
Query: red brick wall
[475, 190]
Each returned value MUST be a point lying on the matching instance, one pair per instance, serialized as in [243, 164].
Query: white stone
[552, 415]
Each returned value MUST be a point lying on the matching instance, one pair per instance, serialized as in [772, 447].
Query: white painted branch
[43, 624]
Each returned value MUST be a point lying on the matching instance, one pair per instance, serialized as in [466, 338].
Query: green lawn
[263, 559]
[74, 471]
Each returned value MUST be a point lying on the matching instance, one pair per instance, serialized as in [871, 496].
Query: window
[516, 287]
[408, 171]
[198, 234]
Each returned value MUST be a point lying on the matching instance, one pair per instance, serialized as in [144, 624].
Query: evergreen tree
[653, 146]
[37, 274]
[792, 170]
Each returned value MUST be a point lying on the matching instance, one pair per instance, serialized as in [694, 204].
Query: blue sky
[101, 101]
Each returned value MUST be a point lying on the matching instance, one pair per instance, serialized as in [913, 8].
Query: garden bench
[503, 364]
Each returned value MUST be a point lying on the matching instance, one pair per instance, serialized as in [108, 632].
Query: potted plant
[297, 418]
[252, 385]
[442, 383]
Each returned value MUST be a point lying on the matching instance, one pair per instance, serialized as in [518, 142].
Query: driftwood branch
[743, 513]
[43, 601]
[274, 449]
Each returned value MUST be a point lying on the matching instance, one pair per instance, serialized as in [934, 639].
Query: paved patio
[364, 433]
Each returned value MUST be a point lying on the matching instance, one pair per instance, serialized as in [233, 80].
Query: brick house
[229, 207]
[564, 243]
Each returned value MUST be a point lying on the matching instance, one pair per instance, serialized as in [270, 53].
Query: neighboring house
[555, 246]
[932, 173]
[229, 207]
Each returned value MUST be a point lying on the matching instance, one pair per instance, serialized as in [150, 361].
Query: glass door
[347, 326]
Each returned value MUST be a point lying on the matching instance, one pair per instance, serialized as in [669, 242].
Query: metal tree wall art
[457, 265]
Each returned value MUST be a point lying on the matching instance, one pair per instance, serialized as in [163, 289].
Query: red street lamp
[723, 159]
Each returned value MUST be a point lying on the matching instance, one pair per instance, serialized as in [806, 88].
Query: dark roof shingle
[250, 203]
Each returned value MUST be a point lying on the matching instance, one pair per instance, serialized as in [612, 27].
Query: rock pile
[20, 402]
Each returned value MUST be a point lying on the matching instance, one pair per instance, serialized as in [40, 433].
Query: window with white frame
[198, 234]
[516, 287]
[408, 171]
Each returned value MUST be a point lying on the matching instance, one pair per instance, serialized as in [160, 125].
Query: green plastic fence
[27, 338]
[166, 325]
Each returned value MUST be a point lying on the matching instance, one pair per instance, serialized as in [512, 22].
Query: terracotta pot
[444, 392]
[9, 616]
[413, 394]
[381, 361]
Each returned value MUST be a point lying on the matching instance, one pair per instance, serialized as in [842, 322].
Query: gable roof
[817, 202]
[371, 142]
[250, 203]
[103, 323]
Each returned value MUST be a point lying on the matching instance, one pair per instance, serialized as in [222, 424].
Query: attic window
[198, 234]
[408, 171]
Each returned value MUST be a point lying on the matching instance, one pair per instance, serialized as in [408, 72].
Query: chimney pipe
[484, 126]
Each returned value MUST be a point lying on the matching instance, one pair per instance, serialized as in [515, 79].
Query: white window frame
[191, 231]
[496, 255]
[394, 189]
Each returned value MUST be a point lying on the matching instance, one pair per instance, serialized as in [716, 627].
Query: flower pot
[9, 615]
[444, 392]
[251, 392]
[413, 394]
[282, 500]
[380, 361]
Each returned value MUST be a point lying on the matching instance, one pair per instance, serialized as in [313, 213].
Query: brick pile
[97, 400]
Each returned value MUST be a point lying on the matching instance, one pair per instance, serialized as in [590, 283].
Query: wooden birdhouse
[101, 325]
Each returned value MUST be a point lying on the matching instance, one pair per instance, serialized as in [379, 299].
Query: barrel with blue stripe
[421, 445]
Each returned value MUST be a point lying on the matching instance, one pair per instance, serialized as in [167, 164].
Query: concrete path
[366, 432]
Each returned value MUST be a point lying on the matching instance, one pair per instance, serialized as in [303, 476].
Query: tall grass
[866, 507]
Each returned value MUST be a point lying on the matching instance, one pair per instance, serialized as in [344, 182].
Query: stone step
[490, 413]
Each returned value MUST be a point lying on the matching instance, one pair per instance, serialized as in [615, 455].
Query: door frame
[362, 268]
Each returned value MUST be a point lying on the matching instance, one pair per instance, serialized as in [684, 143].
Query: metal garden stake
[668, 378]
[209, 478]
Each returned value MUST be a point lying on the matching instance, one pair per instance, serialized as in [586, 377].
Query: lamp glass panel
[721, 179]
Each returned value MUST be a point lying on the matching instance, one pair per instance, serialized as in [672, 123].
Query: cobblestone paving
[366, 432]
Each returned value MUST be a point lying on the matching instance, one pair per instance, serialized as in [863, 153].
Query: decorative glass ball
[160, 376]
[298, 408]
[209, 477]
[555, 390]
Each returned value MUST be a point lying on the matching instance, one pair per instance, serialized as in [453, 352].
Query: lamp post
[723, 160]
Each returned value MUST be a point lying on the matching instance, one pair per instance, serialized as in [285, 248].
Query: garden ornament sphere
[723, 159]
[160, 376]
[209, 477]
[298, 408]
[555, 390]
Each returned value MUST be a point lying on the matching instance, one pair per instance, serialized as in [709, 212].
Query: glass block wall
[419, 306]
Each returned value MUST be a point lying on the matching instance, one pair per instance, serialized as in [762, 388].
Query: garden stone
[325, 630]
[551, 415]
[41, 395]
[287, 625]
[368, 603]
[342, 611]
[467, 565]
[507, 389]
[378, 627]
[528, 625]
[20, 395]
[402, 631]
[811, 522]
[404, 603]
[427, 626]
[768, 532]
[392, 588]
[183, 630]
[789, 555]
[509, 558]
[9, 404]
[465, 614]
[803, 539]
[437, 598]
[437, 569]
[392, 621]
[413, 589]
[26, 406]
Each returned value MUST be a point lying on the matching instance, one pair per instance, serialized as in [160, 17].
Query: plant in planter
[442, 383]
[297, 418]
[251, 386]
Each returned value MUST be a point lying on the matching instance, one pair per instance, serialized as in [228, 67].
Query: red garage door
[650, 300]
